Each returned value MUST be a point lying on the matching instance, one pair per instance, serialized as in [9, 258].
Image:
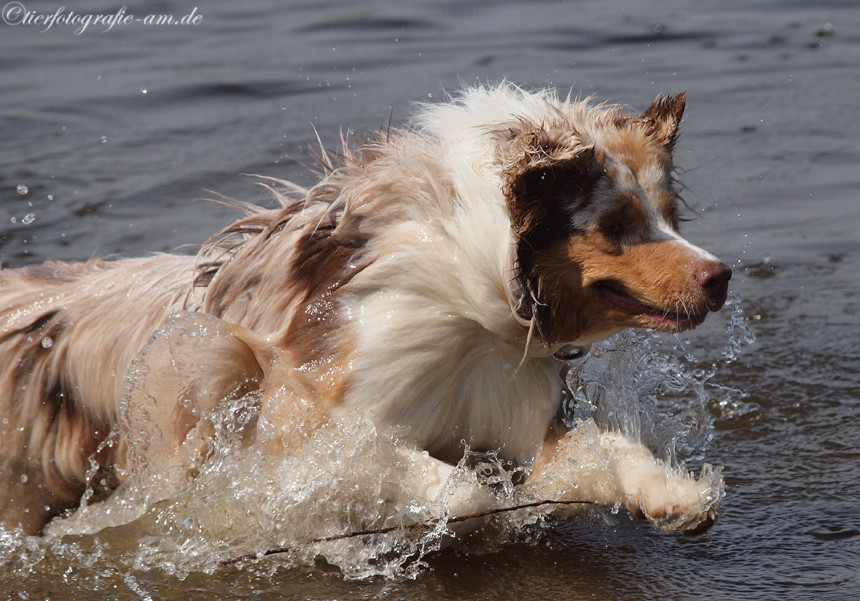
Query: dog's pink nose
[713, 277]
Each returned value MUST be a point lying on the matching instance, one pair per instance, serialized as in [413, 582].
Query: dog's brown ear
[549, 180]
[544, 181]
[663, 117]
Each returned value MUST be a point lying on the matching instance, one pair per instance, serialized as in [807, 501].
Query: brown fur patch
[322, 260]
[322, 265]
[545, 184]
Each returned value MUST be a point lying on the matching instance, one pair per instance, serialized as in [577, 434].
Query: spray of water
[653, 387]
[346, 495]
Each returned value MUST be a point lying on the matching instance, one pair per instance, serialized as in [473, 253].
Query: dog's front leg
[454, 491]
[455, 488]
[610, 468]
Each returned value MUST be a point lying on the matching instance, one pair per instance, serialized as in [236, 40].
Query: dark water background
[116, 136]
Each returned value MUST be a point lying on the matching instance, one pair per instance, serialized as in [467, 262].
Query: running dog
[434, 280]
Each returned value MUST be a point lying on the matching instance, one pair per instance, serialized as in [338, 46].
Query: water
[110, 139]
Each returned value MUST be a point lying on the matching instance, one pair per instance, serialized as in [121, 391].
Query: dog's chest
[476, 395]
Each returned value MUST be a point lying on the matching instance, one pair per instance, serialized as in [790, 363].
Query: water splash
[347, 496]
[653, 387]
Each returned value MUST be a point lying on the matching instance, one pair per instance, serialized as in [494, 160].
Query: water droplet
[22, 189]
[13, 220]
[47, 342]
[143, 90]
[28, 219]
[104, 139]
[24, 478]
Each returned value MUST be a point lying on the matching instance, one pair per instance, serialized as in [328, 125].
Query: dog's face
[594, 207]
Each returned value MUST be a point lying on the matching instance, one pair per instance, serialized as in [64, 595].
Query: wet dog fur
[432, 281]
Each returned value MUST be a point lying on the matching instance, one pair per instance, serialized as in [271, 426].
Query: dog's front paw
[678, 502]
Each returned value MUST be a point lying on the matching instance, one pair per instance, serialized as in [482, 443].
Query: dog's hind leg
[190, 366]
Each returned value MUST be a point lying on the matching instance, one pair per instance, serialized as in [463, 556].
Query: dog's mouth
[649, 316]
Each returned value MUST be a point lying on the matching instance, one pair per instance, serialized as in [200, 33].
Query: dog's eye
[613, 226]
[623, 222]
[612, 229]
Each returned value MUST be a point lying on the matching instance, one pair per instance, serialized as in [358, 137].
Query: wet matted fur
[431, 280]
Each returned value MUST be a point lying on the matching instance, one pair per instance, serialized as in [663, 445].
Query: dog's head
[595, 210]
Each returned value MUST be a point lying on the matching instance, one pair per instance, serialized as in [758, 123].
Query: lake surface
[110, 140]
